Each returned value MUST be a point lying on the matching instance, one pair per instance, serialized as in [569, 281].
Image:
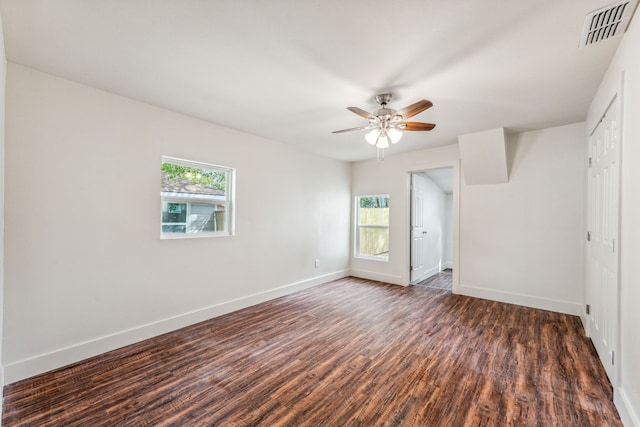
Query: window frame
[358, 227]
[227, 201]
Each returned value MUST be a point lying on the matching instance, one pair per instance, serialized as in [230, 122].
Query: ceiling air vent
[606, 23]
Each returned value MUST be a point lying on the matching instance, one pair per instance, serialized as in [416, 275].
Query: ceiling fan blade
[414, 109]
[352, 129]
[360, 112]
[416, 126]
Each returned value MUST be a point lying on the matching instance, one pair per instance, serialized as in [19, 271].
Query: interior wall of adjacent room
[519, 242]
[85, 266]
[625, 71]
[447, 253]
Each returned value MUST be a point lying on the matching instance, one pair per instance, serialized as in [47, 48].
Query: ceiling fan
[386, 125]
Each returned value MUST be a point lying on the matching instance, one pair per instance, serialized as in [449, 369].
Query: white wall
[625, 68]
[519, 242]
[392, 177]
[86, 270]
[522, 241]
[3, 76]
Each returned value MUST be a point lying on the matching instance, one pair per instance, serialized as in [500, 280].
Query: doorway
[432, 227]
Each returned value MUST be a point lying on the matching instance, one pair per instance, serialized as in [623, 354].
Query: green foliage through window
[374, 202]
[205, 177]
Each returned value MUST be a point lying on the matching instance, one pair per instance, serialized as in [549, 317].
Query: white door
[602, 249]
[417, 228]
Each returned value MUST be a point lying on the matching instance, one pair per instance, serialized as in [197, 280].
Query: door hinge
[590, 162]
[588, 309]
[612, 357]
[613, 244]
[588, 236]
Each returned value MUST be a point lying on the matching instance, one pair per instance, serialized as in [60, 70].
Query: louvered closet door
[602, 249]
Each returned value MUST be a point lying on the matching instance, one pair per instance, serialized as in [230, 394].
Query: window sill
[174, 236]
[372, 258]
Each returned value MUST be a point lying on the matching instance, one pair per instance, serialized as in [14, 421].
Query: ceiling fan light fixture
[394, 134]
[372, 137]
[383, 141]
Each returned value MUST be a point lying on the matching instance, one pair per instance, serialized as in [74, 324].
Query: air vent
[606, 23]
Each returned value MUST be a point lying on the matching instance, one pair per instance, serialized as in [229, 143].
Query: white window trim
[356, 248]
[227, 200]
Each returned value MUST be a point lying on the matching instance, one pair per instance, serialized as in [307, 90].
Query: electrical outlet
[317, 264]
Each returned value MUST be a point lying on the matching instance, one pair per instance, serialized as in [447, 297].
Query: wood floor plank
[348, 353]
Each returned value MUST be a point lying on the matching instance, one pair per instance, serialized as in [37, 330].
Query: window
[372, 227]
[197, 199]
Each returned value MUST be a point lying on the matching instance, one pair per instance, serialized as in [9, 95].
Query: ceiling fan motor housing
[384, 113]
[383, 99]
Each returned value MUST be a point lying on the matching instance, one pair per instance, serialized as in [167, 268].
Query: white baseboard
[380, 277]
[521, 299]
[585, 323]
[446, 265]
[629, 415]
[26, 368]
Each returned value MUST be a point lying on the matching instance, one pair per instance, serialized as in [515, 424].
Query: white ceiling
[287, 69]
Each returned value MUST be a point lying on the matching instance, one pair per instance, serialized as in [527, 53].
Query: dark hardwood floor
[348, 353]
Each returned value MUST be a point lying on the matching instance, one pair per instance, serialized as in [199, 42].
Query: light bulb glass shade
[383, 141]
[372, 136]
[394, 134]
